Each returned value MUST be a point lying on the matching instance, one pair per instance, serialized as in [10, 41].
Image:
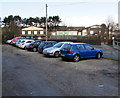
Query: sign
[66, 32]
[62, 33]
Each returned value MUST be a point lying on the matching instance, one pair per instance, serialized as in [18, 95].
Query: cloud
[85, 20]
[60, 1]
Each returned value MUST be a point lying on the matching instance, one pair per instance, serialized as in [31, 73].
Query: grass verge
[108, 58]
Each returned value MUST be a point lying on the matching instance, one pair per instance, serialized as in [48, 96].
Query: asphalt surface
[109, 51]
[28, 73]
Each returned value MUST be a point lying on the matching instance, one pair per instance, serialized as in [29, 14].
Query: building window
[23, 32]
[53, 33]
[80, 33]
[35, 32]
[41, 32]
[91, 32]
[29, 32]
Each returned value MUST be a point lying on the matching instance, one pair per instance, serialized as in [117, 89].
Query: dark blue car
[45, 44]
[34, 45]
[77, 51]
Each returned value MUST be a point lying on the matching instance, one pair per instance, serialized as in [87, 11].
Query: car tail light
[31, 46]
[70, 52]
[18, 43]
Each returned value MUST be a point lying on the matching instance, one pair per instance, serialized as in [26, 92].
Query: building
[33, 32]
[95, 31]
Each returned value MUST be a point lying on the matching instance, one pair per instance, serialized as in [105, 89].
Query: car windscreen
[67, 46]
[42, 44]
[58, 45]
[32, 42]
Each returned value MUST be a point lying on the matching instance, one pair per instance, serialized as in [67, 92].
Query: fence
[93, 41]
[116, 44]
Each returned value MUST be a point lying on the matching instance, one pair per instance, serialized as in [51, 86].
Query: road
[28, 73]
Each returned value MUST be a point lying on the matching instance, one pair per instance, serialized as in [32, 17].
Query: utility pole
[46, 22]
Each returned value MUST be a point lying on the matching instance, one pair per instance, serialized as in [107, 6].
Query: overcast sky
[71, 12]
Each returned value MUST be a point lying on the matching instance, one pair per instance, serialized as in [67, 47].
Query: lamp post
[46, 22]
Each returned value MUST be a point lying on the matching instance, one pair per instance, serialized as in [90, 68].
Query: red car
[14, 40]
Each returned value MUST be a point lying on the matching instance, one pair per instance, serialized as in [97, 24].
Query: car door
[90, 51]
[81, 50]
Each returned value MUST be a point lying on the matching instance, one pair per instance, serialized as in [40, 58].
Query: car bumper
[67, 56]
[49, 54]
[40, 50]
[29, 48]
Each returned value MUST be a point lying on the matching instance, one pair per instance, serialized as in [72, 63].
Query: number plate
[62, 55]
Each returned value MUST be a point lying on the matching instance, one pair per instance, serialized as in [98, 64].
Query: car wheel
[56, 54]
[25, 47]
[34, 49]
[98, 56]
[76, 58]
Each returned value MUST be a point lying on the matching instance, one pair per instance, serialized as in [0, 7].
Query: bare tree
[110, 25]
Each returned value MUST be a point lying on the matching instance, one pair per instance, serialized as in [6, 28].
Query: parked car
[45, 44]
[9, 41]
[55, 50]
[25, 42]
[77, 51]
[33, 45]
[13, 42]
[18, 42]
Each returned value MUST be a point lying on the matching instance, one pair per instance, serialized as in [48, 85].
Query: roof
[94, 26]
[32, 28]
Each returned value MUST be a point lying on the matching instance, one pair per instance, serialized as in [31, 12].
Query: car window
[42, 44]
[66, 46]
[80, 47]
[88, 47]
[28, 42]
[23, 41]
[48, 43]
[38, 43]
[58, 45]
[53, 43]
[32, 42]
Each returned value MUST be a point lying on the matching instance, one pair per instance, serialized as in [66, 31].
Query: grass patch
[108, 58]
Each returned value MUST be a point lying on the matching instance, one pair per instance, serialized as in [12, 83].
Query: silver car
[55, 50]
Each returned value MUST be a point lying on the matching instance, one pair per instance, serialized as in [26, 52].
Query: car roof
[38, 40]
[65, 42]
[78, 43]
[27, 39]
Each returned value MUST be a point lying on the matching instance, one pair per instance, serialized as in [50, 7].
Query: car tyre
[98, 56]
[76, 58]
[25, 47]
[34, 49]
[56, 54]
[63, 59]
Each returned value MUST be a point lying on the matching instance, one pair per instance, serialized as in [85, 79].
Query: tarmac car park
[27, 73]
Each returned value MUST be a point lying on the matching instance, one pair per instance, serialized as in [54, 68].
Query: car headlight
[50, 51]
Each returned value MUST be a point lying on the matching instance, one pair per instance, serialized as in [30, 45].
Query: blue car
[77, 51]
